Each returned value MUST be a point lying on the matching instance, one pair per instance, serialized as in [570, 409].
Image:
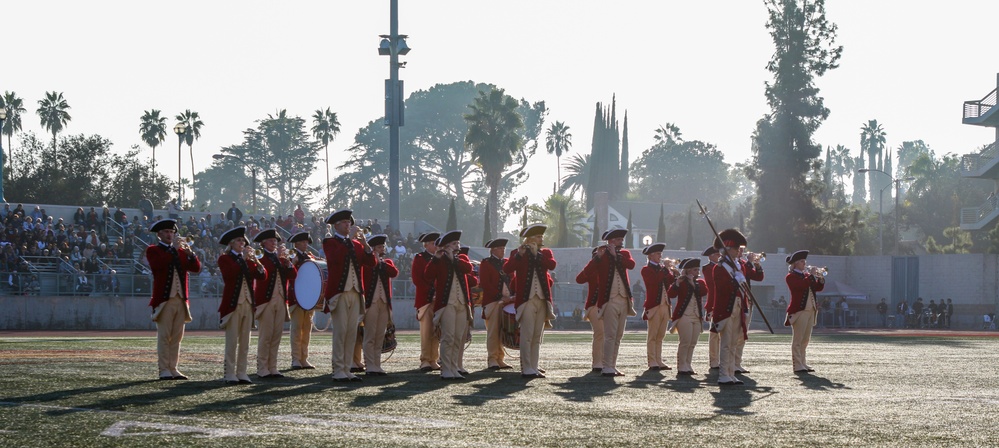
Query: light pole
[393, 45]
[897, 183]
[253, 172]
[3, 116]
[180, 129]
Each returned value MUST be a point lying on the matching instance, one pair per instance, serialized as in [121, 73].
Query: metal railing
[974, 215]
[972, 163]
[975, 109]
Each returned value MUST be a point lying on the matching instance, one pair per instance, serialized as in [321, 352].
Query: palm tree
[558, 140]
[152, 128]
[872, 140]
[561, 214]
[493, 138]
[14, 107]
[578, 171]
[670, 133]
[193, 132]
[52, 111]
[325, 127]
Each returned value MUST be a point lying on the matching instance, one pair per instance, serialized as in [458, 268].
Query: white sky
[701, 65]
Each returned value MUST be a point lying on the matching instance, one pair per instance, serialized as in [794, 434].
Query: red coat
[727, 291]
[162, 263]
[300, 259]
[606, 268]
[524, 269]
[686, 298]
[267, 287]
[337, 255]
[442, 271]
[492, 278]
[708, 271]
[383, 272]
[588, 276]
[656, 278]
[798, 283]
[424, 285]
[235, 279]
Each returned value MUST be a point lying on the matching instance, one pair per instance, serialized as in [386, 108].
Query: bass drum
[388, 344]
[310, 285]
[509, 329]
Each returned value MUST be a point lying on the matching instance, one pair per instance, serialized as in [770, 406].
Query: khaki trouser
[532, 329]
[658, 320]
[237, 334]
[494, 343]
[615, 315]
[357, 361]
[454, 324]
[169, 333]
[597, 347]
[270, 325]
[713, 342]
[688, 328]
[344, 316]
[301, 333]
[741, 344]
[376, 320]
[429, 344]
[728, 340]
[801, 333]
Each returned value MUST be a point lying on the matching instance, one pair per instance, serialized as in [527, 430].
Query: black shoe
[276, 375]
[356, 369]
[297, 367]
[164, 378]
[530, 375]
[801, 371]
[375, 373]
[741, 372]
[608, 374]
[230, 382]
[425, 369]
[809, 370]
[355, 379]
[245, 382]
[655, 368]
[597, 369]
[341, 380]
[686, 372]
[463, 372]
[715, 368]
[309, 367]
[494, 367]
[180, 377]
[667, 368]
[506, 367]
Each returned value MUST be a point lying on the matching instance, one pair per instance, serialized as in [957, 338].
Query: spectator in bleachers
[79, 218]
[173, 210]
[92, 219]
[234, 214]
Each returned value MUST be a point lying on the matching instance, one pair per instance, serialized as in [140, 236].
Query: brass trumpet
[815, 270]
[760, 256]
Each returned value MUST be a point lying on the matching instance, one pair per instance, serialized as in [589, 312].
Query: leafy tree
[152, 128]
[14, 106]
[558, 140]
[578, 169]
[493, 138]
[682, 171]
[325, 127]
[193, 132]
[564, 218]
[53, 113]
[937, 194]
[872, 140]
[960, 242]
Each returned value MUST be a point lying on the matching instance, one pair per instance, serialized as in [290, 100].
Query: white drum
[310, 285]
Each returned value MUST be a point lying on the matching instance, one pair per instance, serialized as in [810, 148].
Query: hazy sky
[700, 65]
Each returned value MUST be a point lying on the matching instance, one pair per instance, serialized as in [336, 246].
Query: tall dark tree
[325, 127]
[193, 132]
[452, 218]
[690, 230]
[679, 170]
[605, 155]
[486, 234]
[630, 237]
[623, 175]
[558, 140]
[54, 115]
[783, 150]
[872, 141]
[494, 137]
[859, 186]
[14, 106]
[153, 130]
[661, 231]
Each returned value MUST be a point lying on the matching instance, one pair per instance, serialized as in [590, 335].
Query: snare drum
[310, 285]
[509, 329]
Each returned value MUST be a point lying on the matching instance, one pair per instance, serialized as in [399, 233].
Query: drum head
[509, 309]
[309, 284]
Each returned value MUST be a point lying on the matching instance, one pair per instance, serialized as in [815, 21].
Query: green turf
[867, 391]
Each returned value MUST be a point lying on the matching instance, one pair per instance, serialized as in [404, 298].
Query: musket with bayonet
[743, 286]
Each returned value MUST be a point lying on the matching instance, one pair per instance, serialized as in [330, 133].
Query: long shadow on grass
[406, 385]
[586, 387]
[733, 400]
[60, 395]
[502, 386]
[814, 382]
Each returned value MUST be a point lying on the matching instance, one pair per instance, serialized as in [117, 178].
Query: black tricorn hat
[163, 224]
[429, 237]
[711, 250]
[236, 232]
[614, 233]
[267, 234]
[463, 250]
[301, 236]
[533, 230]
[453, 235]
[498, 242]
[377, 240]
[690, 263]
[730, 238]
[341, 215]
[655, 247]
[799, 255]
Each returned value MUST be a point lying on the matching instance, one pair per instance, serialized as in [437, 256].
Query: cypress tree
[596, 157]
[628, 241]
[486, 234]
[661, 233]
[563, 228]
[452, 217]
[623, 175]
[596, 235]
[690, 229]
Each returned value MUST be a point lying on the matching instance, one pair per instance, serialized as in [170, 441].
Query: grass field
[868, 390]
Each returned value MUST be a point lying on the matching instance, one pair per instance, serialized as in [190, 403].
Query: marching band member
[754, 272]
[271, 304]
[530, 266]
[452, 305]
[473, 284]
[589, 276]
[429, 344]
[728, 317]
[708, 271]
[496, 294]
[240, 269]
[377, 304]
[658, 278]
[615, 301]
[688, 316]
[170, 262]
[301, 319]
[801, 311]
[344, 289]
